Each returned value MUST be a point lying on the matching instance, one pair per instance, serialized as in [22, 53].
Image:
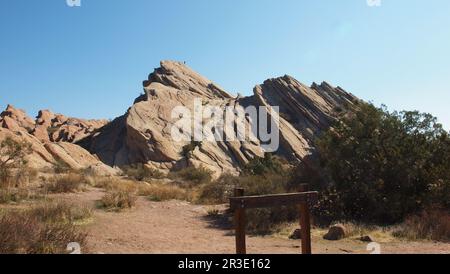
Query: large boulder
[335, 233]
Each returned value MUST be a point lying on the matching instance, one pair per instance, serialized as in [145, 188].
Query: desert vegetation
[376, 171]
[376, 168]
[43, 229]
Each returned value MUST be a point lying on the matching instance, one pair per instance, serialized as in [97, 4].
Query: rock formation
[143, 133]
[50, 137]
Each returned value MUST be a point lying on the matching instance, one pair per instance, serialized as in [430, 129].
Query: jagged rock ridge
[142, 134]
[51, 136]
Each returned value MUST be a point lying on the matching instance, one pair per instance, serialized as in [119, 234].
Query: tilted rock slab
[143, 133]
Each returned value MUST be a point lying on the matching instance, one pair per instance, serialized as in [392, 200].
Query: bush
[61, 167]
[194, 176]
[26, 233]
[163, 192]
[141, 172]
[12, 156]
[262, 176]
[385, 166]
[431, 224]
[69, 183]
[118, 200]
[219, 191]
[270, 164]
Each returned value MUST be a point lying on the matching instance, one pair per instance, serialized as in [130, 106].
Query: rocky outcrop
[307, 109]
[143, 134]
[47, 149]
[59, 128]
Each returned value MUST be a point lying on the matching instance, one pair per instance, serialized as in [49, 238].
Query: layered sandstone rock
[48, 149]
[58, 128]
[143, 134]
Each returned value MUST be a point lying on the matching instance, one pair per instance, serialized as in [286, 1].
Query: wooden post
[305, 223]
[240, 223]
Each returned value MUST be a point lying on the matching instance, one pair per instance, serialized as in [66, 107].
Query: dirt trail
[177, 227]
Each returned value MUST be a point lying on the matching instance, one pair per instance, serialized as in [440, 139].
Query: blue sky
[89, 61]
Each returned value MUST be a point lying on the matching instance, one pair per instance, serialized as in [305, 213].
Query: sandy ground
[176, 227]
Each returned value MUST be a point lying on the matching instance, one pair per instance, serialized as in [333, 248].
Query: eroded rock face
[143, 134]
[59, 128]
[49, 147]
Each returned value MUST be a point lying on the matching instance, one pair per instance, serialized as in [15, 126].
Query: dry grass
[431, 224]
[192, 176]
[14, 195]
[118, 201]
[141, 172]
[154, 191]
[61, 212]
[46, 229]
[163, 192]
[112, 183]
[69, 183]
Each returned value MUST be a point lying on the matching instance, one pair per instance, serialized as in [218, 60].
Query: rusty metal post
[305, 223]
[240, 223]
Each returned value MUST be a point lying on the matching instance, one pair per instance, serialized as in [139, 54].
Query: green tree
[386, 165]
[12, 156]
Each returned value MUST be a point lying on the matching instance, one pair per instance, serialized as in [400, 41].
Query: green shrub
[270, 164]
[193, 176]
[219, 191]
[385, 166]
[12, 157]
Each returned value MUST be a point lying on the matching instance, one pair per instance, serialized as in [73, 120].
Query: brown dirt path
[176, 227]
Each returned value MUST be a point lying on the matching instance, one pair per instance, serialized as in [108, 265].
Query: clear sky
[90, 61]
